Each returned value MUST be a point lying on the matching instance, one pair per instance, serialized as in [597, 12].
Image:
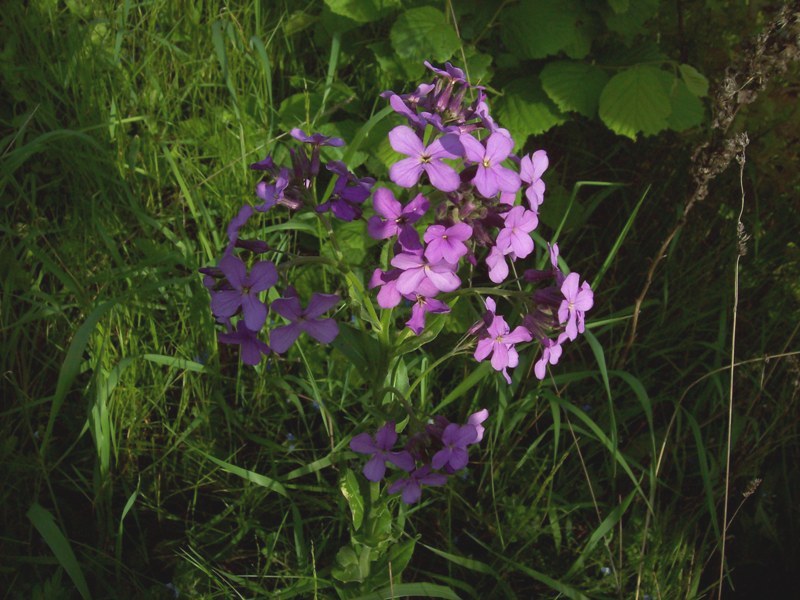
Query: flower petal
[322, 330]
[225, 303]
[406, 172]
[320, 304]
[405, 141]
[443, 177]
[281, 338]
[263, 276]
[363, 444]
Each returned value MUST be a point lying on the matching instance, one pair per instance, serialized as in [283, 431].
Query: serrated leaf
[539, 28]
[630, 22]
[424, 33]
[635, 101]
[526, 110]
[695, 81]
[352, 493]
[478, 65]
[362, 11]
[687, 109]
[574, 86]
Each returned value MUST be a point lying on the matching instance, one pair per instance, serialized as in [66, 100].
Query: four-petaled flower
[225, 302]
[322, 330]
[576, 302]
[395, 219]
[515, 237]
[251, 348]
[447, 243]
[381, 449]
[406, 172]
[416, 270]
[455, 439]
[410, 487]
[499, 343]
[491, 176]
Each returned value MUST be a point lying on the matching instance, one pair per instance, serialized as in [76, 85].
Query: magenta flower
[447, 243]
[498, 267]
[515, 236]
[395, 219]
[251, 348]
[410, 487]
[380, 448]
[475, 419]
[530, 171]
[308, 321]
[422, 306]
[416, 270]
[388, 296]
[500, 344]
[455, 439]
[272, 193]
[576, 302]
[246, 287]
[406, 172]
[551, 353]
[491, 176]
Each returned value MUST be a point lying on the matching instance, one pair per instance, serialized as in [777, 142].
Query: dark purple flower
[322, 330]
[455, 439]
[251, 348]
[410, 487]
[246, 287]
[380, 448]
[406, 172]
[264, 165]
[349, 192]
[491, 177]
[395, 219]
[316, 139]
[236, 224]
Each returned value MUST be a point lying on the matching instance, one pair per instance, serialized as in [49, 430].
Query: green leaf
[351, 237]
[630, 22]
[574, 86]
[351, 492]
[619, 6]
[362, 11]
[560, 25]
[47, 527]
[636, 101]
[526, 110]
[687, 108]
[424, 33]
[478, 65]
[694, 80]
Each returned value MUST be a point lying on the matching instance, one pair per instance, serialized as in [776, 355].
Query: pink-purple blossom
[308, 320]
[416, 270]
[447, 243]
[491, 176]
[499, 342]
[394, 219]
[406, 172]
[530, 171]
[515, 236]
[577, 300]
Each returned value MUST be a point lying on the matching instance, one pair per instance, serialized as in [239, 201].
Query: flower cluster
[428, 457]
[458, 163]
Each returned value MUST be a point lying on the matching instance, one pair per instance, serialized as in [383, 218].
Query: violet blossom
[410, 487]
[576, 302]
[251, 348]
[394, 219]
[380, 448]
[491, 177]
[447, 243]
[515, 236]
[406, 172]
[417, 269]
[308, 321]
[246, 287]
[530, 171]
[454, 455]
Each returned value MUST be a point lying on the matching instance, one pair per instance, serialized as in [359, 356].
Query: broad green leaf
[636, 101]
[630, 22]
[351, 492]
[619, 6]
[424, 33]
[350, 236]
[687, 109]
[47, 527]
[362, 11]
[526, 110]
[539, 28]
[694, 80]
[574, 86]
[478, 65]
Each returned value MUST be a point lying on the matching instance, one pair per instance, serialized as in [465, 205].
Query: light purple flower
[316, 139]
[251, 348]
[388, 296]
[272, 193]
[410, 487]
[500, 344]
[498, 267]
[491, 176]
[530, 171]
[246, 287]
[322, 330]
[455, 439]
[576, 302]
[515, 236]
[447, 243]
[475, 419]
[406, 172]
[380, 448]
[395, 219]
[551, 353]
[417, 270]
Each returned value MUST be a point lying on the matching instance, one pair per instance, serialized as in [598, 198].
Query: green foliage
[423, 34]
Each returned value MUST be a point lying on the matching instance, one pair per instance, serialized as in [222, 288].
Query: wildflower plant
[454, 220]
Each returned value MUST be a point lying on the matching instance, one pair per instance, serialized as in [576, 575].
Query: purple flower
[251, 347]
[491, 176]
[500, 344]
[395, 219]
[515, 236]
[380, 449]
[447, 243]
[236, 224]
[225, 303]
[416, 270]
[410, 487]
[348, 194]
[530, 171]
[455, 439]
[316, 139]
[576, 302]
[406, 172]
[475, 419]
[551, 352]
[322, 330]
[422, 306]
[272, 193]
[388, 296]
[498, 267]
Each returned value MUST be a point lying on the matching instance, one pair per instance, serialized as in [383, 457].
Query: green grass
[136, 453]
